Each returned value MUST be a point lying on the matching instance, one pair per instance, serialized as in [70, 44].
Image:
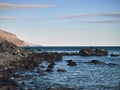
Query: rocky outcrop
[12, 38]
[62, 70]
[71, 63]
[114, 55]
[92, 52]
[96, 62]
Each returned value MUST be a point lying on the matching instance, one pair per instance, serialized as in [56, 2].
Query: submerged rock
[96, 62]
[51, 65]
[114, 55]
[49, 70]
[62, 70]
[71, 63]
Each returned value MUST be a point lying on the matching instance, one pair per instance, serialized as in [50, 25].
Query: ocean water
[84, 76]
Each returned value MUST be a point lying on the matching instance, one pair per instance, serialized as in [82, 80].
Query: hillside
[12, 38]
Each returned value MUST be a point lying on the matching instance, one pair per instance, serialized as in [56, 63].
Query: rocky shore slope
[12, 38]
[13, 58]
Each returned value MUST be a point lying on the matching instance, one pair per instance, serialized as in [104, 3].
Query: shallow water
[84, 76]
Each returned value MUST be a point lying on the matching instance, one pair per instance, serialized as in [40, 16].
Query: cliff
[12, 38]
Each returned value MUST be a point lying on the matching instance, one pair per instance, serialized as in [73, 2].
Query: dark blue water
[84, 76]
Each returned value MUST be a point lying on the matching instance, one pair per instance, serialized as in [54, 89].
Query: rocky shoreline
[13, 59]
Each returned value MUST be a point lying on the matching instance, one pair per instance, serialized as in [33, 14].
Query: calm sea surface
[84, 76]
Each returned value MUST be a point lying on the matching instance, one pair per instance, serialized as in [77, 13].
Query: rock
[114, 55]
[49, 70]
[40, 71]
[96, 62]
[71, 63]
[62, 70]
[100, 52]
[51, 65]
[7, 84]
[30, 89]
[43, 74]
[86, 52]
[42, 66]
[92, 52]
[112, 64]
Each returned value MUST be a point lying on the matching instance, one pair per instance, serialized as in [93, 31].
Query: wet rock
[30, 89]
[86, 52]
[92, 52]
[43, 74]
[100, 52]
[96, 62]
[7, 84]
[62, 70]
[112, 64]
[40, 71]
[42, 66]
[71, 63]
[49, 70]
[51, 65]
[23, 83]
[114, 55]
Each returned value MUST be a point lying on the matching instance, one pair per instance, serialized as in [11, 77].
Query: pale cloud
[76, 16]
[7, 18]
[104, 21]
[111, 14]
[82, 15]
[8, 5]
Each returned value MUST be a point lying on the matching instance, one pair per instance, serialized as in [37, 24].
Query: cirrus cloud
[76, 16]
[9, 5]
[104, 21]
[7, 18]
[83, 15]
[111, 14]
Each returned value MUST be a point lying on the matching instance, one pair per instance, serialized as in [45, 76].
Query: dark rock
[86, 52]
[92, 52]
[43, 74]
[30, 89]
[7, 84]
[71, 63]
[40, 71]
[112, 64]
[100, 52]
[51, 65]
[114, 55]
[42, 66]
[61, 70]
[49, 70]
[96, 62]
[23, 83]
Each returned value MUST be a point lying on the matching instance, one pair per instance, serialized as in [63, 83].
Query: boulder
[86, 52]
[96, 62]
[62, 70]
[49, 70]
[114, 55]
[71, 63]
[100, 52]
[92, 52]
[51, 65]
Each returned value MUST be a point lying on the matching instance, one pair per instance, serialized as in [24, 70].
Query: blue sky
[63, 22]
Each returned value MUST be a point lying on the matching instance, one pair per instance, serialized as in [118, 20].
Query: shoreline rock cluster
[92, 52]
[13, 58]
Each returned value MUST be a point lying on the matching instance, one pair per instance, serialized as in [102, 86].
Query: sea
[84, 76]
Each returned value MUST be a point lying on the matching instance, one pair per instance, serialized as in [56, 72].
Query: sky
[63, 22]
